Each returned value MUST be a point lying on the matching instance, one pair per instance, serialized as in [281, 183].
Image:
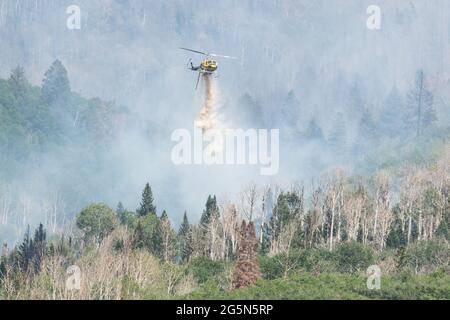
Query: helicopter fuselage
[206, 66]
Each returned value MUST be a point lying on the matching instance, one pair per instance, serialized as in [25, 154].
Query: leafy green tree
[96, 221]
[147, 206]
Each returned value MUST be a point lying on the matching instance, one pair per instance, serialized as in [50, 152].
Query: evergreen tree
[337, 137]
[25, 252]
[147, 206]
[356, 100]
[56, 85]
[139, 238]
[391, 122]
[289, 112]
[421, 108]
[210, 210]
[39, 247]
[314, 132]
[185, 240]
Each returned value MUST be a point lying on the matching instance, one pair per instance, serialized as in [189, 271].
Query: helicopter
[208, 66]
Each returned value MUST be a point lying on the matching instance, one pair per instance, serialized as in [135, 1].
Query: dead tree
[247, 270]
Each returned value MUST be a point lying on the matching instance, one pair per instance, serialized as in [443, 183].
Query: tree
[56, 85]
[392, 115]
[287, 214]
[39, 247]
[147, 206]
[420, 103]
[314, 132]
[18, 83]
[337, 137]
[168, 238]
[247, 270]
[125, 217]
[139, 240]
[367, 127]
[96, 221]
[25, 252]
[185, 240]
[211, 209]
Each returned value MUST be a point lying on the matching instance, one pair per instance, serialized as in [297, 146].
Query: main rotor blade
[221, 56]
[194, 51]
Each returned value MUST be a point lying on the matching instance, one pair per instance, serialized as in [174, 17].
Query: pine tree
[420, 103]
[247, 270]
[185, 240]
[289, 112]
[56, 85]
[147, 206]
[314, 132]
[337, 138]
[39, 247]
[356, 101]
[25, 252]
[139, 238]
[392, 115]
[210, 210]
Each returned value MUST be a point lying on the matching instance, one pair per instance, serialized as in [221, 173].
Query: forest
[327, 231]
[91, 206]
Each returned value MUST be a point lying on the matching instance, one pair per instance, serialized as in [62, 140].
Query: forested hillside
[88, 186]
[335, 229]
[51, 139]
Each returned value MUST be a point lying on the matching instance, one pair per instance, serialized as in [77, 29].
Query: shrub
[426, 256]
[353, 257]
[203, 268]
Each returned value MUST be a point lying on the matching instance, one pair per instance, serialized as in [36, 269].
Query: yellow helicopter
[208, 66]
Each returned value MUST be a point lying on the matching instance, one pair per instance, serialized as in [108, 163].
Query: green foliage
[211, 209]
[185, 241]
[147, 207]
[427, 256]
[147, 234]
[331, 286]
[96, 221]
[204, 269]
[125, 217]
[56, 86]
[353, 257]
[307, 260]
